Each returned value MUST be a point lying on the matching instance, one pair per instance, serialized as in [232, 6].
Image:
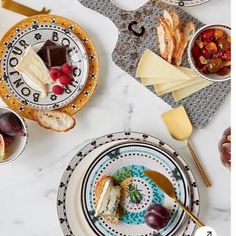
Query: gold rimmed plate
[35, 31]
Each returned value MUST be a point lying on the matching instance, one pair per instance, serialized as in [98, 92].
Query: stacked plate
[125, 156]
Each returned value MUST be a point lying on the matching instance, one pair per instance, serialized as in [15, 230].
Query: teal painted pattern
[136, 218]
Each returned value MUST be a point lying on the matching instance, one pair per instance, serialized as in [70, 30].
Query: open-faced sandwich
[107, 200]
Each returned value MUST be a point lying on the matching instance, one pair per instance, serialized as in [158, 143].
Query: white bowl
[211, 77]
[19, 143]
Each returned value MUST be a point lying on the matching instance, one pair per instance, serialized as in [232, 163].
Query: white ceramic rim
[191, 60]
[8, 160]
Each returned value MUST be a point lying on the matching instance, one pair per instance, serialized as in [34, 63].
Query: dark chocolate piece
[43, 51]
[56, 55]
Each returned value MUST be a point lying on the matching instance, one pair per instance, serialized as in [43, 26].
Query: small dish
[19, 142]
[210, 76]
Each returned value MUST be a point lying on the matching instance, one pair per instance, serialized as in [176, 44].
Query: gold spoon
[166, 186]
[22, 9]
[180, 128]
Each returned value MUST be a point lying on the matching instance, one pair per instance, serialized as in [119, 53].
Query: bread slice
[162, 43]
[169, 39]
[188, 32]
[54, 120]
[98, 191]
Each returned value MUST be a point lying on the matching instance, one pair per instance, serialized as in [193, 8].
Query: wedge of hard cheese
[153, 66]
[187, 91]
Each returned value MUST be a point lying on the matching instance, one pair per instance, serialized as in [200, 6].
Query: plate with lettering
[124, 156]
[34, 32]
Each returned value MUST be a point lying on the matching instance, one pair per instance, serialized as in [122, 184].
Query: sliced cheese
[187, 91]
[153, 66]
[163, 89]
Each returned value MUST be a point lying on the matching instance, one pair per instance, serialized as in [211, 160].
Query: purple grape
[11, 125]
[157, 216]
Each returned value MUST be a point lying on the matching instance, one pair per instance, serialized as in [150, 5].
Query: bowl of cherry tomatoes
[209, 52]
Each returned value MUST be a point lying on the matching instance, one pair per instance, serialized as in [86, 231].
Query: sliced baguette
[188, 32]
[169, 39]
[55, 120]
[162, 42]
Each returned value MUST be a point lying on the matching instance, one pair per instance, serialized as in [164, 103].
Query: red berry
[195, 52]
[207, 34]
[66, 69]
[57, 89]
[65, 79]
[55, 73]
[206, 54]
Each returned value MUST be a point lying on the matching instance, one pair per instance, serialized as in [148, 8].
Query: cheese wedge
[153, 66]
[187, 91]
[161, 89]
[33, 68]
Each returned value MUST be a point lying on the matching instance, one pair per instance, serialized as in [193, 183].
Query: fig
[214, 65]
[207, 34]
[225, 148]
[11, 125]
[5, 145]
[212, 48]
[224, 71]
[224, 44]
[157, 217]
[219, 33]
[199, 43]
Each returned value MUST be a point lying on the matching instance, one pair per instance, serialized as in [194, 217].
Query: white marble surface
[28, 186]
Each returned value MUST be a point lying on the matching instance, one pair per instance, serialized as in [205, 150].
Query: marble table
[28, 186]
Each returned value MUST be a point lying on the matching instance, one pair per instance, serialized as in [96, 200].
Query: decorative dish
[75, 183]
[50, 38]
[13, 135]
[209, 52]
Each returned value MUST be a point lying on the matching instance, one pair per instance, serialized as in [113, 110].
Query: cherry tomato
[214, 65]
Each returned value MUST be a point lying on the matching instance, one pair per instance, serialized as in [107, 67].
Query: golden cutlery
[22, 9]
[180, 128]
[166, 186]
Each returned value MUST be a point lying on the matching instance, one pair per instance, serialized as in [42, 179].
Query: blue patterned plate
[124, 156]
[126, 163]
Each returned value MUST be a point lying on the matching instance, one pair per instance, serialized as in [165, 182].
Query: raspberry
[55, 73]
[57, 89]
[64, 79]
[66, 69]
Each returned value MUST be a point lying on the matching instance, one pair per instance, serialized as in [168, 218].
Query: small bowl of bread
[13, 135]
[209, 52]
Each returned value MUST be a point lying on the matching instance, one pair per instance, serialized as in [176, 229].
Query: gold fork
[22, 9]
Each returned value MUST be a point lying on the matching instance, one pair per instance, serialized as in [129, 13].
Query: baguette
[54, 120]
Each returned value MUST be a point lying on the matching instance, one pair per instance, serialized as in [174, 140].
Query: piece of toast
[98, 191]
[54, 120]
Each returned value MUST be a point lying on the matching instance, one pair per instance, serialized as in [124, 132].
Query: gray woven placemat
[200, 106]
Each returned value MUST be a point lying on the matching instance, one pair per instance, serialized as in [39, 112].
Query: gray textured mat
[137, 33]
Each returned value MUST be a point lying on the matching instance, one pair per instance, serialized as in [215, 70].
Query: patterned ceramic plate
[36, 35]
[126, 163]
[186, 3]
[75, 200]
[71, 30]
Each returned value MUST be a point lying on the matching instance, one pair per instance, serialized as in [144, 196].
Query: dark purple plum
[11, 125]
[157, 216]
